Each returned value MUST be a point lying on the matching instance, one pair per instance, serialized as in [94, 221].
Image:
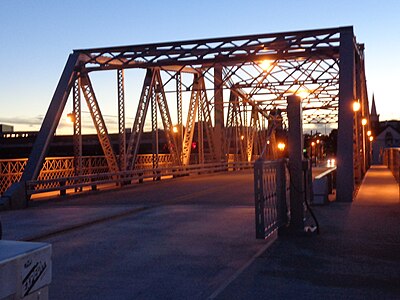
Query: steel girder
[99, 123]
[121, 119]
[137, 129]
[77, 119]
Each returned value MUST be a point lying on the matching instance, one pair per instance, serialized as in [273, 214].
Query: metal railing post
[259, 198]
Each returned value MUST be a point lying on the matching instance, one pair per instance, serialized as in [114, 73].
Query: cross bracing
[225, 90]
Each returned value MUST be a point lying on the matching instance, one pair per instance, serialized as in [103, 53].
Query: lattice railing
[271, 191]
[60, 167]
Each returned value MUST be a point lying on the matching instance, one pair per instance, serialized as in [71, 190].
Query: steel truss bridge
[231, 92]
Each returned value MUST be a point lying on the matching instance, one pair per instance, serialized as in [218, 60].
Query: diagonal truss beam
[166, 117]
[137, 129]
[190, 121]
[99, 123]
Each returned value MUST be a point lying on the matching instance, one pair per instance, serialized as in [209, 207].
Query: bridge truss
[223, 89]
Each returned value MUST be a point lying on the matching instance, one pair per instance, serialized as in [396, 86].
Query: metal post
[345, 154]
[77, 137]
[179, 114]
[218, 111]
[295, 147]
[121, 120]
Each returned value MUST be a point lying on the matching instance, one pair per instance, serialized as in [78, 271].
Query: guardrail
[272, 194]
[391, 158]
[58, 167]
[103, 180]
[323, 185]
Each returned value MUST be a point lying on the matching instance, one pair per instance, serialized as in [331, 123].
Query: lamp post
[358, 170]
[364, 123]
[312, 146]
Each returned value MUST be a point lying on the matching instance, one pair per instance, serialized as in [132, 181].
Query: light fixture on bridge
[265, 65]
[175, 129]
[281, 146]
[364, 121]
[371, 138]
[70, 118]
[356, 105]
[302, 93]
[369, 133]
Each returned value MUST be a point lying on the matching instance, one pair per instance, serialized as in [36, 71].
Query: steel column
[345, 150]
[295, 147]
[218, 112]
[154, 128]
[77, 137]
[178, 77]
[121, 120]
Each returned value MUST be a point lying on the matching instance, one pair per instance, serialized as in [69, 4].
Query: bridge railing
[60, 167]
[272, 194]
[391, 158]
[72, 184]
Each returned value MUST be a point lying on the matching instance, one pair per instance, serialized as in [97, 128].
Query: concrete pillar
[218, 112]
[295, 148]
[345, 151]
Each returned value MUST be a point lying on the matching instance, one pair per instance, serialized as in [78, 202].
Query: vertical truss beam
[154, 128]
[77, 136]
[233, 98]
[166, 117]
[206, 114]
[137, 129]
[252, 132]
[99, 123]
[190, 121]
[200, 135]
[178, 77]
[121, 119]
[218, 112]
[345, 152]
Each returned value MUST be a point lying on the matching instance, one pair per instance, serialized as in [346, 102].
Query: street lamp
[356, 105]
[70, 118]
[281, 146]
[364, 123]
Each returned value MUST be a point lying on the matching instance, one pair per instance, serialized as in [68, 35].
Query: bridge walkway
[356, 256]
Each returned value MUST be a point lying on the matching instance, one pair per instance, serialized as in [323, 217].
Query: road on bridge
[177, 239]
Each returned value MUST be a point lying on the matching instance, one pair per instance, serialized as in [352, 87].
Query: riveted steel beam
[98, 121]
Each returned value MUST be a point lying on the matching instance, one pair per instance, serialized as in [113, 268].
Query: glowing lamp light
[175, 129]
[265, 64]
[369, 133]
[70, 118]
[302, 93]
[313, 144]
[364, 122]
[242, 137]
[371, 138]
[356, 106]
[281, 146]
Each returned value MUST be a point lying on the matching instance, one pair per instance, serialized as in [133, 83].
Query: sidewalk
[356, 256]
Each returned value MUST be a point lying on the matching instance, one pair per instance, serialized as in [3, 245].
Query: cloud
[23, 123]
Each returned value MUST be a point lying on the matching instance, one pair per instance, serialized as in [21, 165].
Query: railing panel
[391, 158]
[271, 192]
[61, 167]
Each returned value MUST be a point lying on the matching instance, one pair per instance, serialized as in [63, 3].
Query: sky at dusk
[37, 37]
